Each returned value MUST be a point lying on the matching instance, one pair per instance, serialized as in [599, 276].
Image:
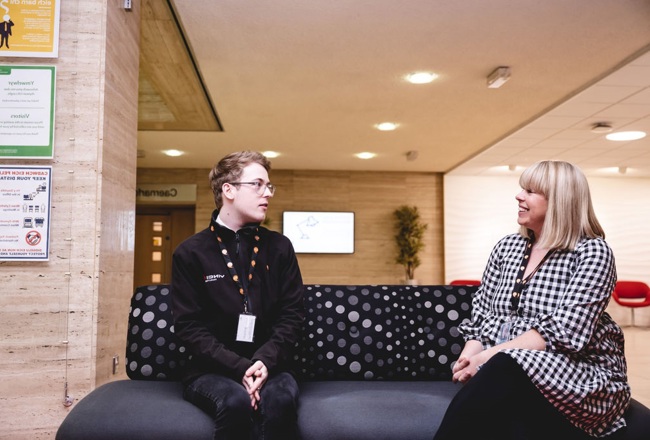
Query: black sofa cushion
[153, 352]
[391, 332]
[382, 332]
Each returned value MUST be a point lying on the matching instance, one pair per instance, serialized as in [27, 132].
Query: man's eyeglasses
[259, 186]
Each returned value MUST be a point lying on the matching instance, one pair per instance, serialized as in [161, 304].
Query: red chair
[465, 283]
[632, 294]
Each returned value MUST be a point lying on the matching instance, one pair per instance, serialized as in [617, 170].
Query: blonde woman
[542, 358]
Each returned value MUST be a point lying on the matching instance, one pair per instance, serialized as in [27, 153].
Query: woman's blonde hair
[570, 214]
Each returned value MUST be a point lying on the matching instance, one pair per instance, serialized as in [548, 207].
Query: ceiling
[309, 79]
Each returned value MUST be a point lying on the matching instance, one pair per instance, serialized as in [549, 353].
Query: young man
[237, 296]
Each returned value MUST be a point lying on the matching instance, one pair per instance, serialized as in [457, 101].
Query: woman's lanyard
[233, 272]
[521, 282]
[505, 329]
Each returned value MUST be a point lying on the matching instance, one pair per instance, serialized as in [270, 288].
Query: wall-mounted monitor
[319, 232]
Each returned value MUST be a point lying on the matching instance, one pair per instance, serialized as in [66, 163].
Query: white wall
[480, 210]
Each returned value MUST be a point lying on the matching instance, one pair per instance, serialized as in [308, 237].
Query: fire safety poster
[25, 198]
[29, 28]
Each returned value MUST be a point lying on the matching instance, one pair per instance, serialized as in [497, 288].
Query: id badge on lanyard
[504, 331]
[246, 324]
[246, 327]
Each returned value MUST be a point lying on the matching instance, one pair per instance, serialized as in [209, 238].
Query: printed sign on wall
[29, 28]
[173, 193]
[25, 198]
[27, 111]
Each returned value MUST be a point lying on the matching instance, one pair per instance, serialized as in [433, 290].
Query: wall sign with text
[29, 28]
[172, 193]
[25, 199]
[27, 111]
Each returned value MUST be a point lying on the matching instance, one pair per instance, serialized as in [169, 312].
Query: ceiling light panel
[626, 135]
[386, 126]
[421, 77]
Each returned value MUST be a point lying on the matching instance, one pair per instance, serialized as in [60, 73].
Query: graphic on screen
[319, 232]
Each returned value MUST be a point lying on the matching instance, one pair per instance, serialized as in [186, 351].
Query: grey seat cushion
[373, 410]
[136, 410]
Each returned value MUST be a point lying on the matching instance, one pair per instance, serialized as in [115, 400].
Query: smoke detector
[601, 127]
[498, 77]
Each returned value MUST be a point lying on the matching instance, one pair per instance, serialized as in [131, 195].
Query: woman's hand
[466, 367]
[473, 355]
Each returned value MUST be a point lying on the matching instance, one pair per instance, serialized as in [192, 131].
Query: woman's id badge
[504, 332]
[246, 327]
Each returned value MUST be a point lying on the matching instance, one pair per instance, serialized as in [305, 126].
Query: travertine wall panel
[52, 313]
[118, 168]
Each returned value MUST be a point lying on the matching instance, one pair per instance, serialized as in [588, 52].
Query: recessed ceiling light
[365, 155]
[271, 154]
[421, 77]
[626, 135]
[386, 126]
[173, 153]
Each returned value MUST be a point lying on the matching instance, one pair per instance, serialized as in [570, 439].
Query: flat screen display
[319, 232]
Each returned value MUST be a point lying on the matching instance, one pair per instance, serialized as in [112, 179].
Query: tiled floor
[637, 352]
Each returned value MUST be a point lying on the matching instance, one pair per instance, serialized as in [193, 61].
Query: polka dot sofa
[375, 363]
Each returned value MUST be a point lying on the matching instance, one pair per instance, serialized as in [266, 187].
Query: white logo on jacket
[215, 277]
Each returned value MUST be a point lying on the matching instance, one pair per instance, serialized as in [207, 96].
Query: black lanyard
[520, 284]
[233, 272]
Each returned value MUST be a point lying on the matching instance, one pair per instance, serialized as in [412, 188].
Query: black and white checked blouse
[583, 371]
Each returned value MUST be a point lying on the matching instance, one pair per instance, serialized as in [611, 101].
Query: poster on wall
[25, 199]
[29, 28]
[27, 111]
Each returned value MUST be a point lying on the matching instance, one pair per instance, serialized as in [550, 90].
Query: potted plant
[409, 239]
